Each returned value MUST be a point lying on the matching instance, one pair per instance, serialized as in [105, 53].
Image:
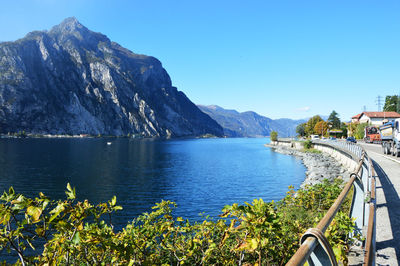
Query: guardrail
[315, 248]
[347, 147]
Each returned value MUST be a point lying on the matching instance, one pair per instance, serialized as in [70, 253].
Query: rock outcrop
[70, 80]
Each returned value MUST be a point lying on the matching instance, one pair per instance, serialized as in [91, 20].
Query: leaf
[35, 212]
[76, 239]
[113, 201]
[18, 200]
[69, 187]
[39, 231]
[80, 227]
[253, 244]
[117, 208]
[225, 214]
[56, 211]
[70, 192]
[11, 191]
[45, 203]
[5, 218]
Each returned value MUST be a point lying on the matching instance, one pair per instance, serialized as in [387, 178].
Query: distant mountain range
[71, 80]
[250, 124]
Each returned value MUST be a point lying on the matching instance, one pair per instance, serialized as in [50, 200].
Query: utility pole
[379, 102]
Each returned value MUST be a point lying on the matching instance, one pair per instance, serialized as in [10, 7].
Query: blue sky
[280, 58]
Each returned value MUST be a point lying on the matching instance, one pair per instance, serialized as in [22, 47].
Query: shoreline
[319, 166]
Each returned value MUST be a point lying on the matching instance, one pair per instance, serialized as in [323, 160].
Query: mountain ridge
[70, 80]
[250, 123]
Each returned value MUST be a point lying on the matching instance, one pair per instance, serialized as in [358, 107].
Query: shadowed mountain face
[70, 80]
[250, 124]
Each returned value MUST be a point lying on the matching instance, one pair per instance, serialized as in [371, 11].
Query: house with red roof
[355, 118]
[375, 118]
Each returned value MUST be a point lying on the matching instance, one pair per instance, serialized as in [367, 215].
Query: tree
[334, 119]
[301, 130]
[351, 128]
[310, 125]
[274, 136]
[343, 127]
[391, 104]
[321, 128]
[359, 133]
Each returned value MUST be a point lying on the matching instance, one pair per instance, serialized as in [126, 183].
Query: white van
[314, 137]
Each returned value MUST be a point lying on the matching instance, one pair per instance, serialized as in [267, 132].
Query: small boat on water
[108, 143]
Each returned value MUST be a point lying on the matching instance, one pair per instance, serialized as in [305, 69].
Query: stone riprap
[319, 166]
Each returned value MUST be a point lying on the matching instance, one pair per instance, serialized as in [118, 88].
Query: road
[387, 168]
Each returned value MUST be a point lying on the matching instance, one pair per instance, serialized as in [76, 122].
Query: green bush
[307, 144]
[312, 151]
[274, 136]
[81, 233]
[360, 128]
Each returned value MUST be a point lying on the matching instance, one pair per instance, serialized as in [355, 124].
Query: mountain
[70, 80]
[250, 124]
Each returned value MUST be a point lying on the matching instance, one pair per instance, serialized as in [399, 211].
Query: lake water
[200, 175]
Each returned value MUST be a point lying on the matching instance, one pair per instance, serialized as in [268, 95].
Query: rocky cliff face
[250, 124]
[70, 80]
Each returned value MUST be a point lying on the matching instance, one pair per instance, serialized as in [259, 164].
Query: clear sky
[279, 58]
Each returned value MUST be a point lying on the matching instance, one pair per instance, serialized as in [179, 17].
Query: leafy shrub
[82, 233]
[360, 128]
[307, 144]
[274, 136]
[312, 151]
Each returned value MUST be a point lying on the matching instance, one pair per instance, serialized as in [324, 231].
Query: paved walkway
[387, 168]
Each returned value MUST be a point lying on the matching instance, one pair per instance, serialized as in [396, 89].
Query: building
[375, 118]
[355, 118]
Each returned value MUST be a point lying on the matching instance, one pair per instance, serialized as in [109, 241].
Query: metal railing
[314, 247]
[347, 147]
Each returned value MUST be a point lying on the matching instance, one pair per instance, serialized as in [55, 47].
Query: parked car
[314, 137]
[332, 138]
[351, 139]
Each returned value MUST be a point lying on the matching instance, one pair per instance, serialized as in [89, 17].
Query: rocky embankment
[319, 165]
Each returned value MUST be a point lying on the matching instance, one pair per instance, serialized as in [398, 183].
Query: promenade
[387, 168]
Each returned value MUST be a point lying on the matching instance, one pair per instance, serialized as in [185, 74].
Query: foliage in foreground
[76, 232]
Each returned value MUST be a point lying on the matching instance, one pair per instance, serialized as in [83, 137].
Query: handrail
[370, 244]
[313, 251]
[305, 250]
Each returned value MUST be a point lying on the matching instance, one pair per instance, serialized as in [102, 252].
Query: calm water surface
[200, 175]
